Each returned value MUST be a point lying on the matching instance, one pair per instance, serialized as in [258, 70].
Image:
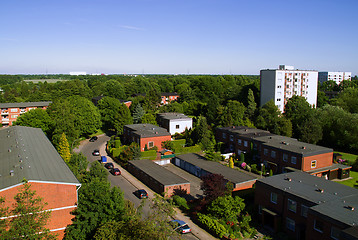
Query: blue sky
[177, 36]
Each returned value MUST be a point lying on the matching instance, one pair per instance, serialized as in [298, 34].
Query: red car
[115, 171]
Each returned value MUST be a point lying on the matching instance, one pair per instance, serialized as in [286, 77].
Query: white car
[180, 226]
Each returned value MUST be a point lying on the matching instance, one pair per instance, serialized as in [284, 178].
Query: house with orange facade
[26, 153]
[146, 135]
[10, 111]
[282, 154]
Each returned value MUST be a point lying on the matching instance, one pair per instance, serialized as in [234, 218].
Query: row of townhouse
[26, 153]
[282, 154]
[10, 111]
[307, 207]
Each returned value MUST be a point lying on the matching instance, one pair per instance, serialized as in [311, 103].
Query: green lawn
[349, 157]
[351, 182]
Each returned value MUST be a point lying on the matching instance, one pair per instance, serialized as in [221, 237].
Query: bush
[117, 143]
[212, 225]
[177, 144]
[180, 202]
[116, 151]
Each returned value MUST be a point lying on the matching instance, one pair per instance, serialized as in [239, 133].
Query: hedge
[116, 151]
[177, 144]
[212, 225]
[117, 143]
[150, 154]
[180, 202]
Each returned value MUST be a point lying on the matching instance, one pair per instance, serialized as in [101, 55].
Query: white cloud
[132, 28]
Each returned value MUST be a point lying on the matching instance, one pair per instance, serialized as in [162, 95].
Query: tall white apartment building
[283, 83]
[338, 77]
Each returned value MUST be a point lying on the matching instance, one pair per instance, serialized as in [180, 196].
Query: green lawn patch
[351, 182]
[351, 158]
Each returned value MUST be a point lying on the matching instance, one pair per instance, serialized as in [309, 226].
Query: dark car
[180, 226]
[141, 193]
[95, 152]
[115, 171]
[109, 165]
[94, 138]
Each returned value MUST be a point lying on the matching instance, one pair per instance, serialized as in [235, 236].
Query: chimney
[11, 172]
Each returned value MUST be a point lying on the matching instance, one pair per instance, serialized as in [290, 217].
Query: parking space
[194, 181]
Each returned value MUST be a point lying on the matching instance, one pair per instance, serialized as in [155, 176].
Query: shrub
[212, 225]
[117, 143]
[180, 202]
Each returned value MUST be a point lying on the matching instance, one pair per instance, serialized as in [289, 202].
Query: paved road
[129, 184]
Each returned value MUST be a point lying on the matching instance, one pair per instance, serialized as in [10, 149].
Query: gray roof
[25, 104]
[232, 175]
[173, 116]
[334, 166]
[157, 172]
[29, 154]
[332, 203]
[292, 145]
[246, 132]
[148, 130]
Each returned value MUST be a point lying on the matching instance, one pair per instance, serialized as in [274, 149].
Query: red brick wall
[323, 160]
[55, 195]
[157, 142]
[312, 234]
[245, 185]
[169, 190]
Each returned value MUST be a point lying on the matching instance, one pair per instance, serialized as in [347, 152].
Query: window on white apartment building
[273, 154]
[150, 144]
[231, 138]
[274, 198]
[290, 224]
[304, 210]
[313, 164]
[291, 205]
[285, 157]
[318, 225]
[278, 99]
[246, 143]
[224, 135]
[265, 151]
[13, 110]
[293, 160]
[335, 232]
[239, 141]
[176, 126]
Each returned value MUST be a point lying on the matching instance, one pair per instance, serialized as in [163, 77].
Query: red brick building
[168, 97]
[307, 207]
[26, 153]
[10, 111]
[146, 135]
[282, 154]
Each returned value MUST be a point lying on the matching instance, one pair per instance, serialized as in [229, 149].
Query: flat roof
[330, 199]
[232, 175]
[25, 104]
[173, 116]
[159, 173]
[147, 130]
[29, 154]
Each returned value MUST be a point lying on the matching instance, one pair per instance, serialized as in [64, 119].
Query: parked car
[109, 165]
[115, 171]
[180, 226]
[93, 139]
[141, 193]
[95, 152]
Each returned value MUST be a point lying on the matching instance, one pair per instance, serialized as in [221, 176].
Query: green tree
[31, 219]
[98, 204]
[251, 104]
[347, 99]
[149, 118]
[63, 148]
[138, 113]
[114, 114]
[231, 162]
[227, 207]
[37, 118]
[98, 171]
[115, 89]
[78, 164]
[201, 134]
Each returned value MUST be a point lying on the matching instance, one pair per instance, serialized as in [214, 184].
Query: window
[260, 209]
[273, 154]
[313, 164]
[285, 157]
[304, 210]
[13, 110]
[293, 160]
[292, 205]
[279, 86]
[14, 116]
[335, 233]
[265, 151]
[246, 143]
[150, 144]
[274, 198]
[224, 135]
[290, 224]
[278, 100]
[231, 138]
[318, 226]
[177, 126]
[239, 141]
